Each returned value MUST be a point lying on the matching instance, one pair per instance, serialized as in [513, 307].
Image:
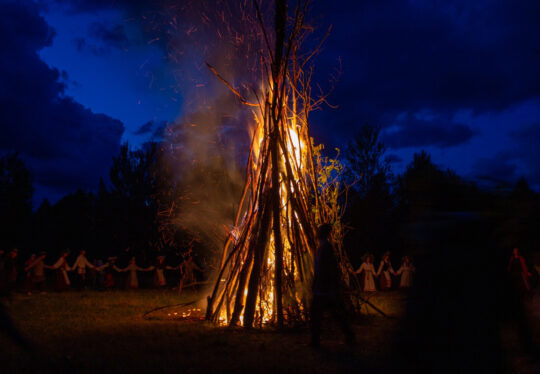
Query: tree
[141, 198]
[370, 206]
[368, 168]
[16, 192]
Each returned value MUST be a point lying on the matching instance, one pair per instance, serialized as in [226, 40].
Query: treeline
[408, 213]
[131, 216]
[136, 212]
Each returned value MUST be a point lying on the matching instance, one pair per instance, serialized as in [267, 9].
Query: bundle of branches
[267, 264]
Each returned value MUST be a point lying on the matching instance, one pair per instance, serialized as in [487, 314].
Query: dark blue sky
[459, 79]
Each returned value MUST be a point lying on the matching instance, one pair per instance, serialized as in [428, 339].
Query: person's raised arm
[362, 267]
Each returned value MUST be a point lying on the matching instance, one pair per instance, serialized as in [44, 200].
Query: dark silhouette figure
[519, 273]
[327, 294]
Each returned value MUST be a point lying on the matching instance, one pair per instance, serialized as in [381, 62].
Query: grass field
[105, 332]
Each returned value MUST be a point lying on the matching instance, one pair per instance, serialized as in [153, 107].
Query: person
[519, 273]
[28, 277]
[109, 276]
[187, 271]
[80, 265]
[406, 271]
[327, 295]
[61, 266]
[159, 276]
[132, 281]
[368, 280]
[384, 272]
[10, 267]
[37, 267]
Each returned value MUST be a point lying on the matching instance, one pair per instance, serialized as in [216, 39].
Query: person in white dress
[132, 279]
[406, 271]
[369, 273]
[159, 276]
[79, 266]
[385, 272]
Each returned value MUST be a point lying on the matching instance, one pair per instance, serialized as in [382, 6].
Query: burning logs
[267, 263]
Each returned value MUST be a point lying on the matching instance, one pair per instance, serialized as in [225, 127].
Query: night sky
[460, 79]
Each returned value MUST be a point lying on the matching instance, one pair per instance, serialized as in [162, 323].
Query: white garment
[369, 272]
[81, 263]
[406, 271]
[63, 266]
[133, 281]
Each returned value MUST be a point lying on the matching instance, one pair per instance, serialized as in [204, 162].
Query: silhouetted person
[37, 268]
[519, 273]
[327, 295]
[28, 276]
[61, 266]
[10, 268]
[187, 271]
[519, 288]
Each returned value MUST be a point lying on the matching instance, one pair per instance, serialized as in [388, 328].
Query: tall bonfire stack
[266, 267]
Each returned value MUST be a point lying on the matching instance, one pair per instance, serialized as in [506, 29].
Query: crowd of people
[385, 273]
[38, 275]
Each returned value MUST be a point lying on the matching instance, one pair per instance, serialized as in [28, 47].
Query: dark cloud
[112, 36]
[102, 39]
[501, 169]
[156, 128]
[414, 132]
[408, 56]
[528, 150]
[145, 128]
[66, 145]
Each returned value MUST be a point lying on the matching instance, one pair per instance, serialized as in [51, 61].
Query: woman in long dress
[132, 280]
[406, 271]
[159, 276]
[62, 279]
[385, 272]
[369, 273]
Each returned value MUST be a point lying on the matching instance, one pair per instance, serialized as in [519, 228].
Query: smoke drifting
[208, 144]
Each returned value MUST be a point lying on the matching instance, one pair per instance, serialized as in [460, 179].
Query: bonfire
[266, 266]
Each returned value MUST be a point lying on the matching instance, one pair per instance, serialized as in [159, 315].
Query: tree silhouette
[15, 201]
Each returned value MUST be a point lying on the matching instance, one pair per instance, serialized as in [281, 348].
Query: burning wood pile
[266, 267]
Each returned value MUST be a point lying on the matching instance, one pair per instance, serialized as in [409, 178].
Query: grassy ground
[106, 332]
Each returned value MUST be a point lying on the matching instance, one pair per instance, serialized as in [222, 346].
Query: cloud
[65, 145]
[501, 168]
[145, 128]
[102, 39]
[405, 56]
[112, 36]
[528, 151]
[414, 132]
